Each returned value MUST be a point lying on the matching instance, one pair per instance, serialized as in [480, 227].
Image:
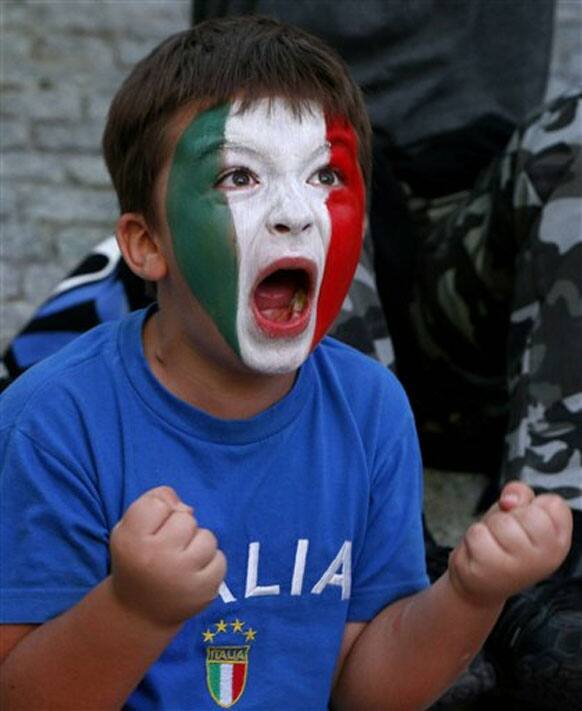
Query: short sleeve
[53, 536]
[391, 563]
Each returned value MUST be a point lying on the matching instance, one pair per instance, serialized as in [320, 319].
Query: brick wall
[60, 64]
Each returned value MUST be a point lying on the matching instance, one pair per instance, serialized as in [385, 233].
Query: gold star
[250, 634]
[208, 636]
[237, 625]
[220, 626]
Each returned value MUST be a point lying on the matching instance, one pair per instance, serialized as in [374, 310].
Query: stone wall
[60, 64]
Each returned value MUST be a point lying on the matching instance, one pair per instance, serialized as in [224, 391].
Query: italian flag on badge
[226, 673]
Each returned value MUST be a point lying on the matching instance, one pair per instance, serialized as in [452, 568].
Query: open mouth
[281, 300]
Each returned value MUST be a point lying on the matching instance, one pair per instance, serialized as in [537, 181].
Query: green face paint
[200, 221]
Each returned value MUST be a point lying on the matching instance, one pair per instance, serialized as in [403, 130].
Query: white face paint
[277, 181]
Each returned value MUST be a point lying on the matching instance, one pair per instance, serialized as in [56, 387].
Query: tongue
[275, 292]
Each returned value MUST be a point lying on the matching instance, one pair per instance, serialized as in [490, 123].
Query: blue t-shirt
[316, 503]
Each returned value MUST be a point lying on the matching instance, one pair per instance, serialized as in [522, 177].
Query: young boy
[239, 151]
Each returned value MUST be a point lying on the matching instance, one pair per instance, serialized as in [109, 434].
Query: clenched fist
[520, 540]
[163, 566]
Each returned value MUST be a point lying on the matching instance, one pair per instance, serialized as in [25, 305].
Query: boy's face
[266, 214]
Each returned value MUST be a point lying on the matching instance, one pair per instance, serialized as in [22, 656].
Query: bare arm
[91, 657]
[415, 648]
[165, 570]
[411, 652]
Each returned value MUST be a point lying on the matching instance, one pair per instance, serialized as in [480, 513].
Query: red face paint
[346, 205]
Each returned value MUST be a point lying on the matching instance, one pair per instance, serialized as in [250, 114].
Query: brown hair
[214, 62]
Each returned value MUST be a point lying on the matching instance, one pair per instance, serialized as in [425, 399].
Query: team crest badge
[227, 664]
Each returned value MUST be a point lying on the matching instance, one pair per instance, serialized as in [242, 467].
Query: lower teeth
[298, 302]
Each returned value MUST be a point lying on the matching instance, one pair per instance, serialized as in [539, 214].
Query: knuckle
[160, 502]
[496, 519]
[165, 492]
[132, 510]
[551, 503]
[207, 539]
[146, 504]
[477, 531]
[120, 536]
[537, 517]
[216, 572]
[221, 564]
[185, 528]
[188, 524]
[183, 519]
[507, 523]
[549, 498]
[164, 495]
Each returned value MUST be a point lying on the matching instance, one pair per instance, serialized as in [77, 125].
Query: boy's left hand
[520, 540]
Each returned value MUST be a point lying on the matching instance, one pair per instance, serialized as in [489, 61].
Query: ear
[140, 247]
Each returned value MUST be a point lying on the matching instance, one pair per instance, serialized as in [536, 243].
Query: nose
[290, 227]
[290, 214]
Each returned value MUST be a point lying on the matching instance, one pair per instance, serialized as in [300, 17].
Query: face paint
[346, 206]
[200, 221]
[254, 201]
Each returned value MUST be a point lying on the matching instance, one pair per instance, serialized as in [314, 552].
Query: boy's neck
[208, 384]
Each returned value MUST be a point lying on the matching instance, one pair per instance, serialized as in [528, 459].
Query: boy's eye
[327, 177]
[236, 179]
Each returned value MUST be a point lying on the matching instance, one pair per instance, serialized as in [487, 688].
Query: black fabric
[79, 317]
[450, 162]
[92, 264]
[427, 68]
[395, 249]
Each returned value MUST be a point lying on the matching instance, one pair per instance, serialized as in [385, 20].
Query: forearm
[413, 650]
[90, 657]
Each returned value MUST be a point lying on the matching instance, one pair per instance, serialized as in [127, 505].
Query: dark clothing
[445, 82]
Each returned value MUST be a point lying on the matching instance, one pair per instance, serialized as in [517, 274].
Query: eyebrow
[240, 148]
[207, 148]
[211, 147]
[243, 148]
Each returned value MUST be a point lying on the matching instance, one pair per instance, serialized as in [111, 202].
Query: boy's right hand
[163, 566]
